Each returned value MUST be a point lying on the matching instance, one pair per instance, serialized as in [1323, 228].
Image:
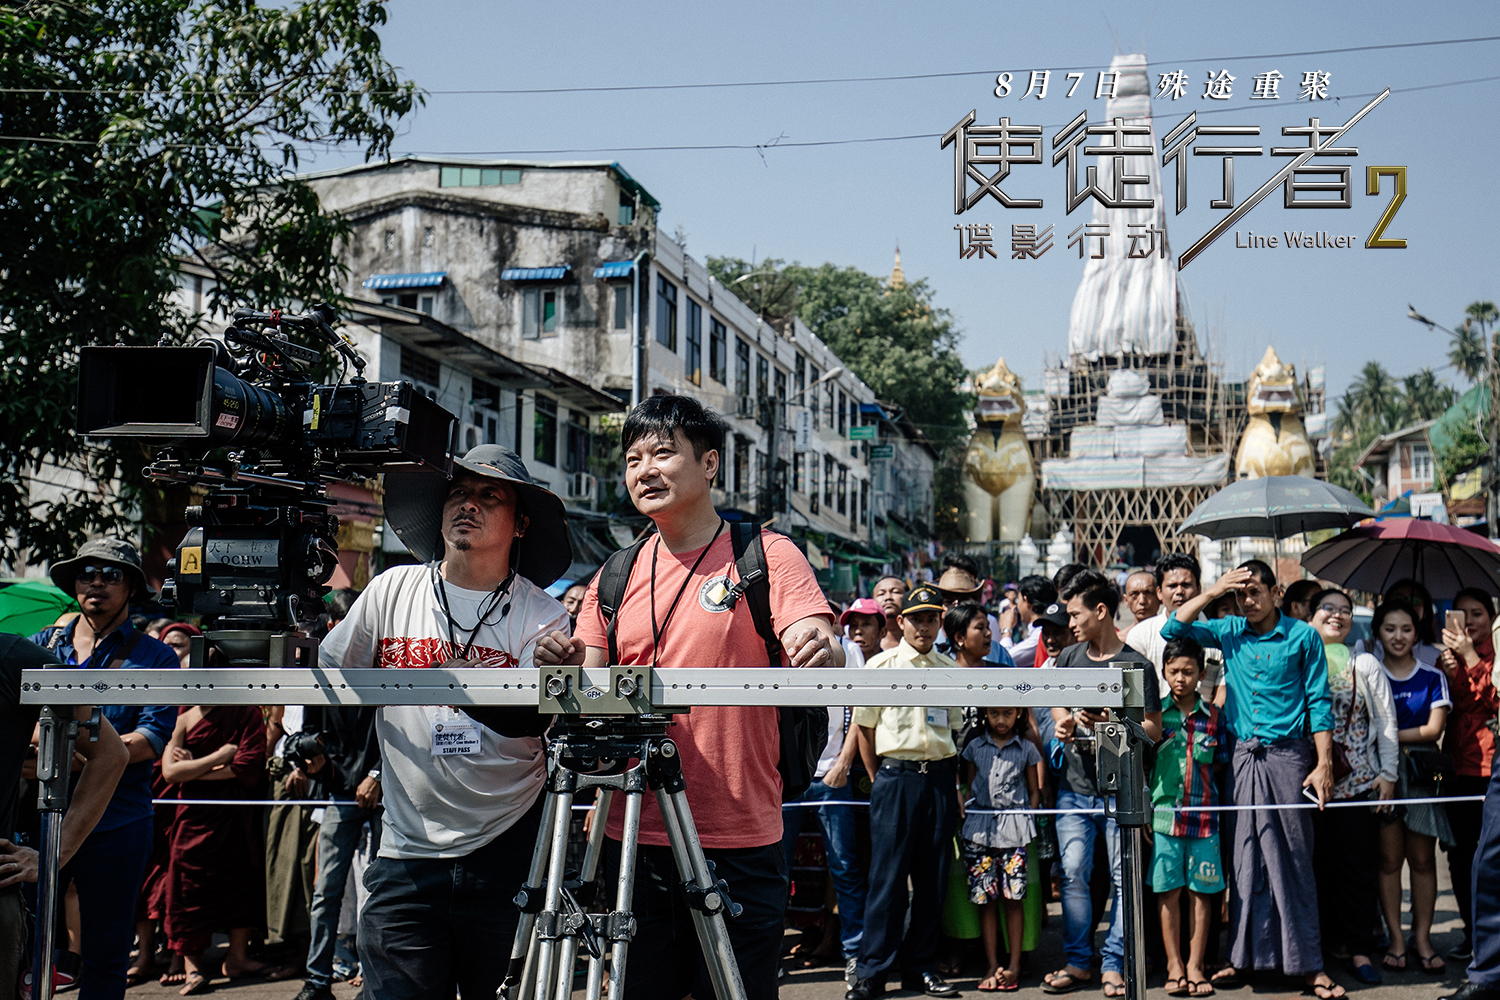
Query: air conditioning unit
[581, 486]
[747, 408]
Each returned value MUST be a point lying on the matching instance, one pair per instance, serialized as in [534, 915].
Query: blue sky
[851, 204]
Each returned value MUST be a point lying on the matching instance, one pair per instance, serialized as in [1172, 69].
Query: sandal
[1329, 991]
[1206, 991]
[1394, 963]
[1114, 989]
[993, 983]
[1178, 986]
[1227, 978]
[1063, 981]
[193, 982]
[1433, 969]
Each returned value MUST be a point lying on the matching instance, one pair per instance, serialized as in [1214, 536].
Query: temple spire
[898, 276]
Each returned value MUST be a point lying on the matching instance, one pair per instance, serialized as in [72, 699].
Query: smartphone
[1309, 794]
[1456, 621]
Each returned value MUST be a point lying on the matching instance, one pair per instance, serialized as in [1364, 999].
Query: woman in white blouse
[1347, 840]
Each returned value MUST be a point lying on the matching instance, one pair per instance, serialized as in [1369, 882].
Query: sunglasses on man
[109, 574]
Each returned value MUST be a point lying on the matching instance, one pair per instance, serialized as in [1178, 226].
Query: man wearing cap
[913, 812]
[831, 784]
[461, 788]
[105, 576]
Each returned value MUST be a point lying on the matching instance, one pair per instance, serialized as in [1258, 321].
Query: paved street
[827, 983]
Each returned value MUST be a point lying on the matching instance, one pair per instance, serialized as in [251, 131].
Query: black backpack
[804, 731]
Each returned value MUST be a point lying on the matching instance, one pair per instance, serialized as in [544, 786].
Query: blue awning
[615, 269]
[535, 273]
[427, 279]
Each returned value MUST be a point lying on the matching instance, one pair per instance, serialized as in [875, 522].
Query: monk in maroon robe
[215, 872]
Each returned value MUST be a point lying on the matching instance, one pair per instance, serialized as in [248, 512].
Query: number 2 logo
[1378, 240]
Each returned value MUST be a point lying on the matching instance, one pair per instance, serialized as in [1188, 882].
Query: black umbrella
[1275, 507]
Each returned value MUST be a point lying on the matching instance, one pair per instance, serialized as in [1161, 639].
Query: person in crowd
[831, 785]
[1034, 594]
[215, 881]
[104, 761]
[105, 577]
[155, 626]
[890, 594]
[1177, 581]
[179, 635]
[572, 602]
[968, 629]
[1468, 658]
[1428, 647]
[345, 760]
[864, 624]
[1277, 677]
[1001, 772]
[1067, 572]
[672, 446]
[1222, 607]
[913, 812]
[458, 827]
[1296, 599]
[1421, 696]
[1195, 744]
[957, 586]
[1346, 841]
[1092, 601]
[1140, 595]
[1483, 980]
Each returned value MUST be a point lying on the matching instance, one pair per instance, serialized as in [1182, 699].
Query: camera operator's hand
[808, 645]
[296, 783]
[367, 795]
[558, 648]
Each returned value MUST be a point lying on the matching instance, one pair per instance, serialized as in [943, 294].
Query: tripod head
[604, 744]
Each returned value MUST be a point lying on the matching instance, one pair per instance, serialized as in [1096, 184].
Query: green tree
[141, 131]
[1466, 352]
[1375, 397]
[1425, 397]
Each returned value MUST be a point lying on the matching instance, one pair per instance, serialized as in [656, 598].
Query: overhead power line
[810, 81]
[777, 143]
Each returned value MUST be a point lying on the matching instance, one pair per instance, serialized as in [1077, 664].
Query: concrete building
[539, 299]
[1400, 462]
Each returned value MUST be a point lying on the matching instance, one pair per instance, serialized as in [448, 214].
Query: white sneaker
[849, 971]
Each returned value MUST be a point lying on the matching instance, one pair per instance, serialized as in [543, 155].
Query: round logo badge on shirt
[714, 594]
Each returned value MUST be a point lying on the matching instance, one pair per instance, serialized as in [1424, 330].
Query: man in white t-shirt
[1177, 582]
[462, 786]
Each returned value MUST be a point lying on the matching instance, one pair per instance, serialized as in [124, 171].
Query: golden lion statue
[1275, 442]
[999, 480]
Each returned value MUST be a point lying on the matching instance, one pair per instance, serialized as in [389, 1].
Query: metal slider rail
[575, 689]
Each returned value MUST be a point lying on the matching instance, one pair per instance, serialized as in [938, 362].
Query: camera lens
[246, 415]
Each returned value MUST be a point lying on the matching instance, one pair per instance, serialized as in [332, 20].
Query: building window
[544, 431]
[828, 407]
[390, 239]
[718, 351]
[814, 468]
[762, 377]
[666, 313]
[1421, 463]
[741, 368]
[741, 463]
[799, 381]
[623, 292]
[484, 400]
[407, 300]
[627, 208]
[427, 237]
[780, 384]
[812, 395]
[426, 304]
[425, 371]
[579, 442]
[864, 498]
[478, 176]
[520, 424]
[828, 480]
[843, 488]
[843, 423]
[694, 367]
[538, 313]
[854, 420]
[799, 480]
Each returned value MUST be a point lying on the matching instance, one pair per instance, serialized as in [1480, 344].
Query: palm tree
[1466, 354]
[1374, 396]
[1426, 397]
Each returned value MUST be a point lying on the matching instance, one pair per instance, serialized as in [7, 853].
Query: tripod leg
[54, 765]
[692, 866]
[549, 920]
[591, 855]
[1132, 875]
[520, 949]
[630, 836]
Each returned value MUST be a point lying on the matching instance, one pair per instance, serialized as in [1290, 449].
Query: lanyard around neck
[492, 600]
[657, 631]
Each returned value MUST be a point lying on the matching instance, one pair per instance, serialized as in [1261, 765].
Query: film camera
[246, 418]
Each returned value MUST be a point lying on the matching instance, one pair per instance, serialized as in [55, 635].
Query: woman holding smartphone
[1422, 701]
[1468, 658]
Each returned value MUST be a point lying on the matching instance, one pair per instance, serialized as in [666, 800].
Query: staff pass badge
[714, 594]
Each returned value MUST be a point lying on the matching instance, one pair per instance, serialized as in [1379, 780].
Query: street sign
[865, 432]
[804, 430]
[883, 451]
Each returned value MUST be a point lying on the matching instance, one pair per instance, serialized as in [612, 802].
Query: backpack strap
[126, 649]
[754, 583]
[614, 577]
[55, 639]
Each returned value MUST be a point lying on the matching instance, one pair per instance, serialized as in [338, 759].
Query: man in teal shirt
[1280, 712]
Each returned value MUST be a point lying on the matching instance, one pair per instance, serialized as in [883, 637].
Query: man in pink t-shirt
[674, 614]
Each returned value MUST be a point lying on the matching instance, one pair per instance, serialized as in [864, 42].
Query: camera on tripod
[246, 418]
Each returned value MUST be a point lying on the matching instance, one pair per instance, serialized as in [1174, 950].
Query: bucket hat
[957, 585]
[414, 510]
[115, 551]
